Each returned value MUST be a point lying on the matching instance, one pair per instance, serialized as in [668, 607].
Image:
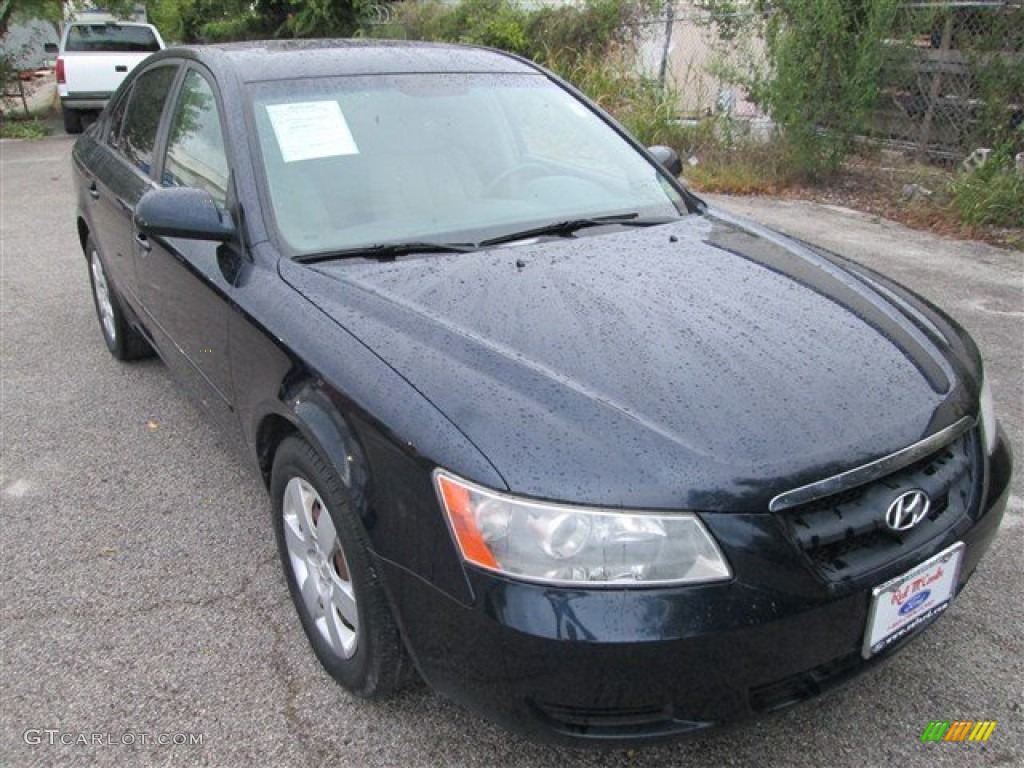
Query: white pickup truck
[93, 58]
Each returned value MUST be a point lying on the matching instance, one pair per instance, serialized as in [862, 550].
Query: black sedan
[537, 426]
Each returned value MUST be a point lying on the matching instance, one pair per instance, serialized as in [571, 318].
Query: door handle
[94, 191]
[120, 67]
[143, 242]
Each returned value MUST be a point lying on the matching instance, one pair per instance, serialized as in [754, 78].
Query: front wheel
[330, 575]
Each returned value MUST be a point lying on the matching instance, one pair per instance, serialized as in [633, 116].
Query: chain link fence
[953, 78]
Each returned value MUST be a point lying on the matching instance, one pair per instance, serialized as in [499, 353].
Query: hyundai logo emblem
[907, 510]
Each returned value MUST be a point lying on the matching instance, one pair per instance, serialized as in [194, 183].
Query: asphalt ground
[142, 599]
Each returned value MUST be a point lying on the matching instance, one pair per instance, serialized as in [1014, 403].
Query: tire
[320, 541]
[123, 341]
[72, 120]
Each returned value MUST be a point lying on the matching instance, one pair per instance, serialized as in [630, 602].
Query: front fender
[389, 485]
[319, 422]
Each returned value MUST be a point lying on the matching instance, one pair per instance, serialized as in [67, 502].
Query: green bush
[495, 23]
[553, 36]
[243, 27]
[992, 194]
[825, 57]
[592, 30]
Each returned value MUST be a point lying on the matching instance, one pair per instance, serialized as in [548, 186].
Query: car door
[118, 171]
[185, 285]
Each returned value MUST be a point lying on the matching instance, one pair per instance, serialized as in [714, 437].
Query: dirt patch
[31, 93]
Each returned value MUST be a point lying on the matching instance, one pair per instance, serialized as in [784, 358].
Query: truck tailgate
[99, 72]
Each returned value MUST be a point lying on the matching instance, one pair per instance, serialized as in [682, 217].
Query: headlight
[988, 417]
[560, 544]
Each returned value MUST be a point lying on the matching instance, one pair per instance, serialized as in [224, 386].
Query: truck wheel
[72, 120]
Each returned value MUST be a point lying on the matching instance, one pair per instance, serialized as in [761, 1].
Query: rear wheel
[72, 120]
[330, 575]
[123, 341]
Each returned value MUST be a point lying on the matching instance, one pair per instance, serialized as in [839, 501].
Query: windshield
[356, 161]
[109, 37]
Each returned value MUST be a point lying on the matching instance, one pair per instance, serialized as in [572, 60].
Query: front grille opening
[636, 722]
[835, 501]
[613, 717]
[845, 535]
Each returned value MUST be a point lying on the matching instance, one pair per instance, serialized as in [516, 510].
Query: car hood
[704, 364]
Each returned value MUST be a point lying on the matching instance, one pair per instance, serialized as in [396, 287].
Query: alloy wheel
[102, 293]
[320, 568]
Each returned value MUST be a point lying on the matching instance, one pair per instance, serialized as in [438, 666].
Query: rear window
[111, 37]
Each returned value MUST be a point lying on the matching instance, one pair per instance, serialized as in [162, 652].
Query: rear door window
[138, 133]
[112, 126]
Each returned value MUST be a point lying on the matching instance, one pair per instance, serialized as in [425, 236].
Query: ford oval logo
[915, 602]
[907, 510]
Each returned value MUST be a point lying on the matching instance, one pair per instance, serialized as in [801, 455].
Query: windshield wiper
[384, 251]
[568, 227]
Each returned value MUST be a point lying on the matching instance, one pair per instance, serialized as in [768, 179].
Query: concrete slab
[855, 234]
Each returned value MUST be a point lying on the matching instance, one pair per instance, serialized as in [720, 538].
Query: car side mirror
[51, 48]
[183, 212]
[667, 159]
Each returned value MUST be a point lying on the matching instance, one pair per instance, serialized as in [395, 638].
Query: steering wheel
[528, 170]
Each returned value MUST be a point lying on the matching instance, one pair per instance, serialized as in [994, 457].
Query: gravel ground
[141, 593]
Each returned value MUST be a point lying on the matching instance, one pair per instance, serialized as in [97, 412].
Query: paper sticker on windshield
[311, 129]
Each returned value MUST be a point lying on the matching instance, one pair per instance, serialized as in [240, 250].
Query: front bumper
[610, 665]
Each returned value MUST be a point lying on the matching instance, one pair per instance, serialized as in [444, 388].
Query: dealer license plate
[907, 602]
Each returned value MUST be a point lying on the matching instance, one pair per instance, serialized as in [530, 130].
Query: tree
[51, 10]
[54, 10]
[825, 57]
[319, 18]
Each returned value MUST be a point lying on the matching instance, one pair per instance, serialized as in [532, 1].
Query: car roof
[255, 61]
